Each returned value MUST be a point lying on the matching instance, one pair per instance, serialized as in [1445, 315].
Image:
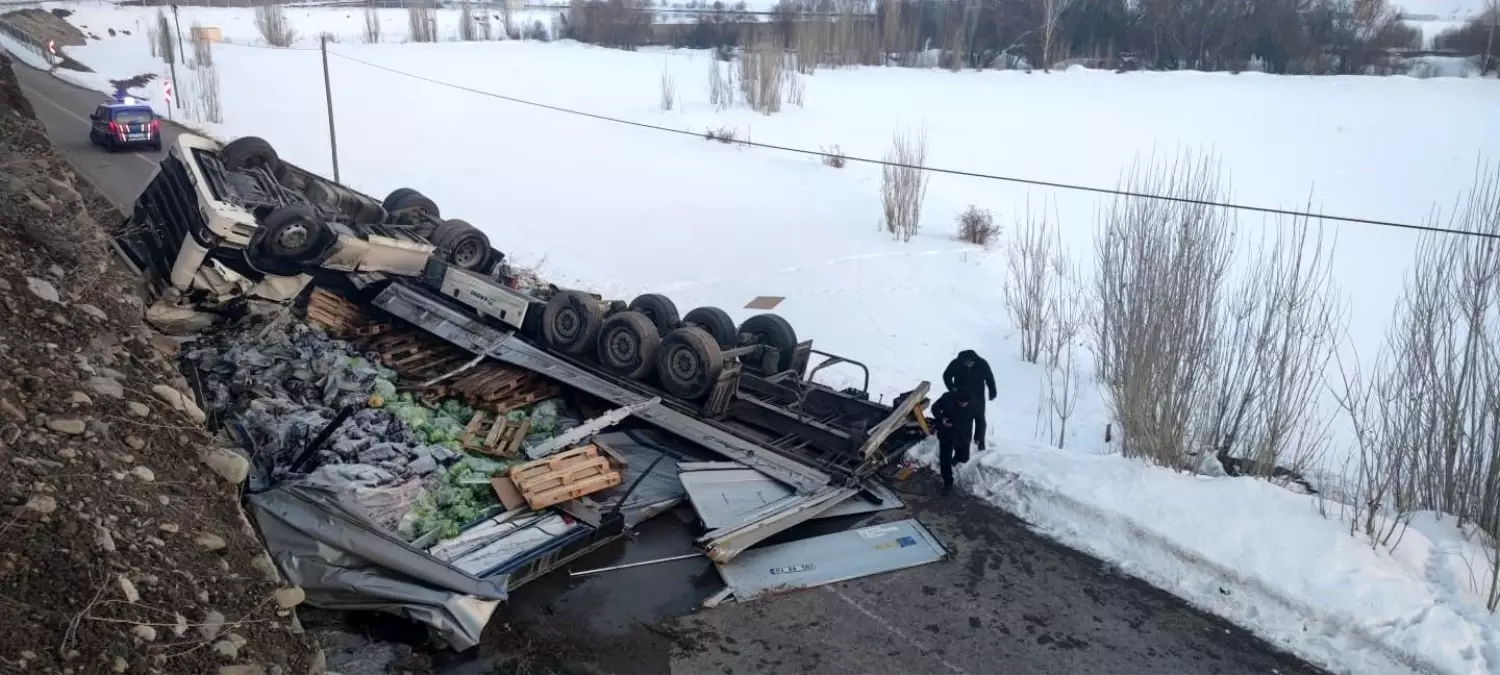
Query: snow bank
[1260, 556]
[23, 52]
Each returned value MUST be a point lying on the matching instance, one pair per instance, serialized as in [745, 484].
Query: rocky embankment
[123, 548]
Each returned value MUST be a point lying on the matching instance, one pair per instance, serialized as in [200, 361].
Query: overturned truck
[228, 229]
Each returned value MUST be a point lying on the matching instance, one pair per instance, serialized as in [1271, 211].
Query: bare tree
[205, 101]
[203, 49]
[468, 29]
[720, 85]
[166, 44]
[763, 72]
[273, 25]
[903, 184]
[1029, 280]
[1158, 280]
[1065, 312]
[372, 24]
[421, 21]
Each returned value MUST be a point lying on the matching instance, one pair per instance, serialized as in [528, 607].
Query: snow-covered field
[625, 210]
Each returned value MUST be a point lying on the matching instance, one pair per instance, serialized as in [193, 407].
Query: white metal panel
[724, 497]
[831, 558]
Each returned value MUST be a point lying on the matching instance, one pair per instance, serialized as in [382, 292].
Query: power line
[952, 172]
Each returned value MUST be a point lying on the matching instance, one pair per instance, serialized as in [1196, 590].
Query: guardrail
[26, 41]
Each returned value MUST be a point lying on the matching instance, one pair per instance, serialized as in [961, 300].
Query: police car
[124, 123]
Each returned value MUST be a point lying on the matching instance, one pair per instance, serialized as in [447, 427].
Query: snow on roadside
[22, 52]
[625, 211]
[1260, 556]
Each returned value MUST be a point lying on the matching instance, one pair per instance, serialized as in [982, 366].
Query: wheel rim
[623, 347]
[292, 237]
[683, 364]
[567, 324]
[468, 252]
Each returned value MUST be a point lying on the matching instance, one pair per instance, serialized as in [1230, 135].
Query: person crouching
[954, 417]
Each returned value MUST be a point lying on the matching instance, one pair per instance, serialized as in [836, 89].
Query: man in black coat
[953, 416]
[970, 374]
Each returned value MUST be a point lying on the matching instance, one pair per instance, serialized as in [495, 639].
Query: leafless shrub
[203, 49]
[1158, 278]
[720, 85]
[721, 134]
[153, 38]
[903, 184]
[795, 94]
[536, 31]
[1427, 416]
[1065, 312]
[273, 25]
[668, 89]
[834, 156]
[977, 226]
[1029, 280]
[1275, 341]
[762, 73]
[372, 25]
[421, 23]
[810, 44]
[205, 100]
[166, 44]
[467, 29]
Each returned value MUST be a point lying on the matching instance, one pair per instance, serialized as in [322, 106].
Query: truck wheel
[403, 199]
[462, 244]
[659, 309]
[718, 324]
[772, 330]
[293, 233]
[627, 345]
[571, 322]
[688, 363]
[248, 152]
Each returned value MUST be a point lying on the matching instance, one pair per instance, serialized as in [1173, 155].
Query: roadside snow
[1260, 556]
[22, 52]
[624, 211]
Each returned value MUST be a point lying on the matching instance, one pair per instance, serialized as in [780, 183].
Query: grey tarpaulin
[345, 562]
[641, 447]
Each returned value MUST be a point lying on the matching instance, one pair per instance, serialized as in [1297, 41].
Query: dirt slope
[121, 551]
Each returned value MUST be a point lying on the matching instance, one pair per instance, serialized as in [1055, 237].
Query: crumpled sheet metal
[345, 562]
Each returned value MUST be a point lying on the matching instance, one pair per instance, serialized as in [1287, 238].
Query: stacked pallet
[564, 476]
[494, 434]
[419, 357]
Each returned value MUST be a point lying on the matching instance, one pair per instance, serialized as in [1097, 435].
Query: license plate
[138, 137]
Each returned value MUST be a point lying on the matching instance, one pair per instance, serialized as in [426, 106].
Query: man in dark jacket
[953, 417]
[970, 374]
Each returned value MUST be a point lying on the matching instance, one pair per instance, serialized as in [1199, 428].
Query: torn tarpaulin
[343, 561]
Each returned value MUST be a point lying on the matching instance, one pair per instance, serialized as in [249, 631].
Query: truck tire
[248, 152]
[688, 363]
[659, 309]
[288, 240]
[571, 322]
[772, 330]
[462, 244]
[718, 324]
[628, 342]
[404, 199]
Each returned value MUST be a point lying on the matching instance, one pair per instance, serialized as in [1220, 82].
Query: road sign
[52, 47]
[166, 88]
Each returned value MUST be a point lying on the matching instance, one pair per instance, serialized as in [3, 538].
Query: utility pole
[177, 21]
[176, 100]
[333, 138]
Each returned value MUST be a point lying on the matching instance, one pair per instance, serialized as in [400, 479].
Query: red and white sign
[52, 47]
[166, 88]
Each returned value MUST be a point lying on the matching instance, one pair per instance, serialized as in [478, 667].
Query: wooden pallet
[564, 476]
[488, 386]
[333, 313]
[498, 436]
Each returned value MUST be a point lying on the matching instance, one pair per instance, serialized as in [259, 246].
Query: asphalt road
[1007, 600]
[64, 109]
